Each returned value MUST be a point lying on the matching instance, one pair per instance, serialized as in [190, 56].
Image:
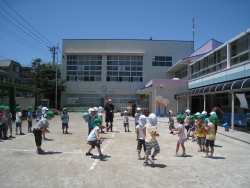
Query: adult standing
[133, 109]
[217, 109]
[109, 115]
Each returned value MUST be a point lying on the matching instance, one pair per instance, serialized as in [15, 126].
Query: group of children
[200, 127]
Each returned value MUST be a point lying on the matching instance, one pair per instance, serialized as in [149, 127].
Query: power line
[29, 24]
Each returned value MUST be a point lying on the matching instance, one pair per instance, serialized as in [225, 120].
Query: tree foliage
[43, 76]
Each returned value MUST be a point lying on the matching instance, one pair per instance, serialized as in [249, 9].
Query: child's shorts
[210, 143]
[141, 143]
[65, 125]
[94, 143]
[179, 140]
[19, 124]
[201, 140]
[125, 124]
[150, 145]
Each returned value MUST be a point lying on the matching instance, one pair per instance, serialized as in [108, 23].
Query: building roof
[5, 63]
[203, 50]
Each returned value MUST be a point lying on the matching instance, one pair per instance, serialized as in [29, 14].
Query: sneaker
[128, 130]
[67, 132]
[171, 132]
[145, 164]
[40, 151]
[176, 155]
[151, 160]
[22, 134]
[139, 157]
[5, 138]
[199, 150]
[102, 156]
[184, 155]
[102, 131]
[89, 154]
[10, 136]
[125, 130]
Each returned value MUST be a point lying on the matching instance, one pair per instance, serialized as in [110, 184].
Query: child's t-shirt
[65, 118]
[149, 130]
[18, 117]
[9, 118]
[38, 115]
[211, 132]
[29, 116]
[141, 135]
[171, 120]
[201, 132]
[181, 136]
[91, 123]
[137, 115]
[125, 119]
[92, 136]
[39, 124]
[191, 125]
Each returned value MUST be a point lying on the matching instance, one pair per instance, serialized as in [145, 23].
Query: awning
[235, 86]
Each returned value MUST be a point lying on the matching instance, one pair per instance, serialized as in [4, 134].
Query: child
[29, 118]
[186, 114]
[126, 121]
[95, 140]
[44, 110]
[137, 115]
[38, 113]
[191, 127]
[171, 121]
[149, 131]
[8, 121]
[41, 125]
[2, 123]
[201, 133]
[210, 137]
[19, 120]
[85, 116]
[206, 120]
[65, 120]
[100, 116]
[140, 136]
[181, 138]
[96, 112]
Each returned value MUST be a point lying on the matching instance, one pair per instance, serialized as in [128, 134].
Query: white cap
[197, 113]
[170, 111]
[152, 120]
[91, 110]
[138, 109]
[188, 111]
[44, 108]
[95, 109]
[204, 113]
[100, 108]
[212, 113]
[142, 120]
[64, 108]
[125, 112]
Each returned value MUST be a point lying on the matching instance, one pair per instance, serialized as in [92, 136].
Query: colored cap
[212, 113]
[201, 116]
[197, 113]
[214, 118]
[91, 110]
[49, 113]
[181, 117]
[188, 111]
[18, 108]
[6, 108]
[152, 120]
[39, 108]
[170, 111]
[30, 107]
[109, 100]
[142, 120]
[44, 108]
[95, 109]
[97, 121]
[65, 109]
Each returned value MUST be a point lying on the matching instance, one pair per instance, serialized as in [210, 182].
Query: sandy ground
[65, 165]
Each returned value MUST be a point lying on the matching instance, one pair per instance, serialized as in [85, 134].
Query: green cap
[30, 107]
[181, 117]
[201, 116]
[214, 118]
[2, 107]
[39, 108]
[49, 114]
[6, 108]
[18, 108]
[97, 121]
[192, 117]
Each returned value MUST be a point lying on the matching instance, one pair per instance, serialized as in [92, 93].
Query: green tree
[43, 75]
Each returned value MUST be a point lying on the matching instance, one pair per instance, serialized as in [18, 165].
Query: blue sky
[45, 23]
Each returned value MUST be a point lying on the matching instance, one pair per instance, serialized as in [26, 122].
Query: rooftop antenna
[193, 32]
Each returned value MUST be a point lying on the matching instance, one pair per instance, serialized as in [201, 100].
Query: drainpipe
[232, 117]
[204, 96]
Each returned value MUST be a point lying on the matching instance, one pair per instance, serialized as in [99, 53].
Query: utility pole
[54, 51]
[193, 32]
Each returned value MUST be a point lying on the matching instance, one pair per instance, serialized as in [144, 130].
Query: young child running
[8, 120]
[41, 125]
[201, 133]
[149, 131]
[95, 140]
[126, 121]
[181, 137]
[140, 136]
[210, 136]
[65, 121]
[171, 121]
[29, 118]
[137, 115]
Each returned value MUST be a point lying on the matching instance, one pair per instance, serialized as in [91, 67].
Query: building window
[163, 61]
[84, 68]
[124, 68]
[240, 50]
[16, 68]
[181, 73]
[17, 81]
